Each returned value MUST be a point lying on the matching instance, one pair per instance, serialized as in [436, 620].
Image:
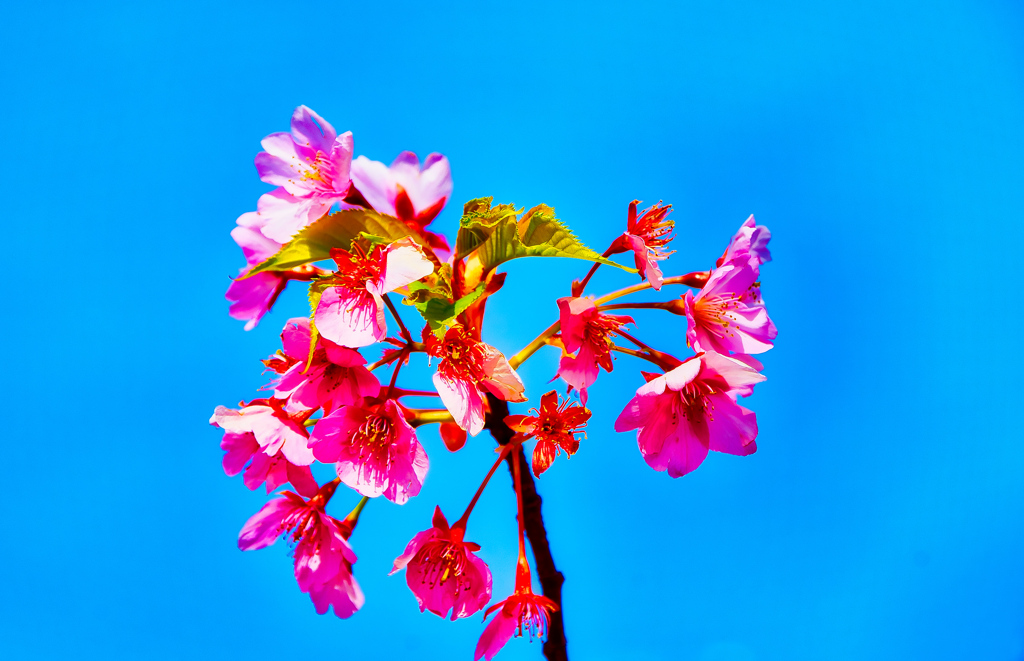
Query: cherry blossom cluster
[357, 232]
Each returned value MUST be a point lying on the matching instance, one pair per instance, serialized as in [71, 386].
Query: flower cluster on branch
[358, 233]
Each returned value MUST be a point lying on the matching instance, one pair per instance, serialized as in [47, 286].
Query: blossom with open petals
[274, 429]
[323, 557]
[522, 614]
[750, 240]
[468, 368]
[252, 297]
[311, 165]
[374, 448]
[351, 308]
[727, 314]
[334, 377]
[689, 410]
[409, 191]
[442, 571]
[646, 235]
[587, 332]
[556, 427]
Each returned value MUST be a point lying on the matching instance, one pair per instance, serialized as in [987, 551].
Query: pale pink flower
[442, 571]
[375, 450]
[323, 557]
[646, 236]
[587, 332]
[408, 191]
[274, 429]
[242, 449]
[467, 370]
[682, 414]
[311, 165]
[335, 375]
[727, 314]
[750, 240]
[351, 308]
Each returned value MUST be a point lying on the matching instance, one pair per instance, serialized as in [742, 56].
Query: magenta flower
[682, 414]
[311, 165]
[467, 369]
[274, 429]
[351, 309]
[555, 426]
[647, 236]
[254, 296]
[751, 240]
[242, 449]
[408, 192]
[375, 450]
[323, 557]
[442, 571]
[727, 314]
[588, 333]
[524, 613]
[335, 375]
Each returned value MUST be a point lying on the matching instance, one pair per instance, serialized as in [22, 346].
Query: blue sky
[881, 142]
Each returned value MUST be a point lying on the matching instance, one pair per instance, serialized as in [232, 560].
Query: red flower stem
[544, 564]
[577, 289]
[695, 280]
[352, 519]
[385, 361]
[636, 341]
[402, 353]
[464, 519]
[394, 313]
[662, 360]
[523, 570]
[531, 348]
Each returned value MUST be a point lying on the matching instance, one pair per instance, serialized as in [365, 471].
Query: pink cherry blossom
[311, 166]
[727, 314]
[588, 333]
[274, 429]
[467, 370]
[375, 450]
[351, 308]
[253, 297]
[242, 449]
[323, 557]
[647, 236]
[442, 571]
[406, 191]
[750, 240]
[682, 414]
[524, 613]
[335, 375]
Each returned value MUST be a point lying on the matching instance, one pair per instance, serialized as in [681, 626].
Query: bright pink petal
[312, 130]
[463, 401]
[733, 428]
[263, 528]
[405, 264]
[498, 632]
[350, 318]
[502, 381]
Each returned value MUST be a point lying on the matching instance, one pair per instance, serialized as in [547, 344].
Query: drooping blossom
[467, 369]
[242, 451]
[351, 308]
[323, 557]
[727, 314]
[274, 429]
[374, 448]
[408, 191]
[647, 236]
[522, 614]
[335, 375]
[252, 297]
[556, 427]
[312, 167]
[683, 413]
[442, 571]
[587, 332]
[750, 240]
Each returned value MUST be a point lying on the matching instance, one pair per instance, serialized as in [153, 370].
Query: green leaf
[496, 236]
[433, 299]
[336, 230]
[316, 290]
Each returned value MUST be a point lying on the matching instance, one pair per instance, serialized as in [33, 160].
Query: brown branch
[550, 578]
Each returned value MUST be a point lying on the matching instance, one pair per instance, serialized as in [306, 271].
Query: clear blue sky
[882, 143]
